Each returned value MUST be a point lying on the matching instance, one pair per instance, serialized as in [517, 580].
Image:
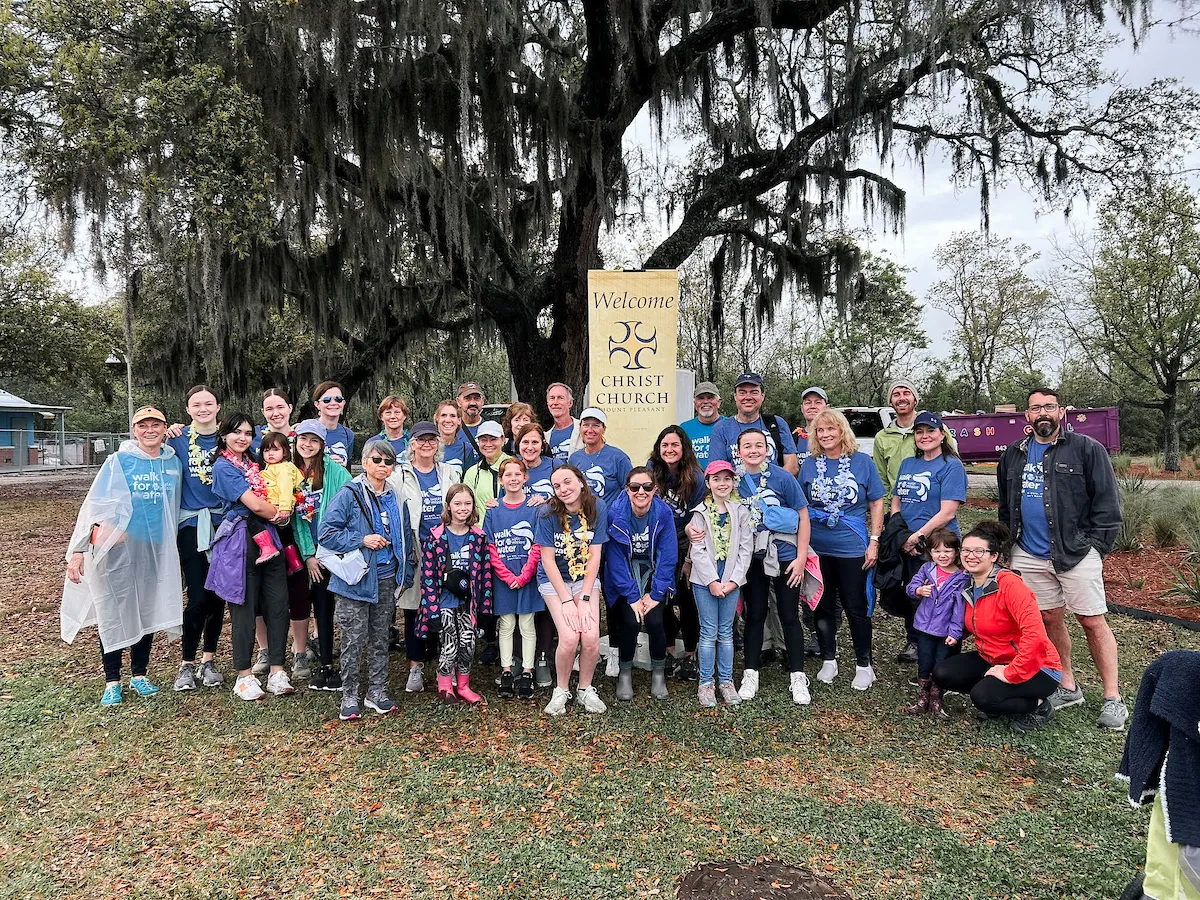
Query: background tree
[1132, 298]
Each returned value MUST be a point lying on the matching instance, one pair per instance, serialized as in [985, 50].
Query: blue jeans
[716, 633]
[931, 650]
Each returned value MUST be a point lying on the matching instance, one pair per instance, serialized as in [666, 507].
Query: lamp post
[115, 362]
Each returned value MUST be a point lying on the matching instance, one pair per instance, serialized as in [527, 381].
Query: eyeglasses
[1045, 407]
[426, 437]
[380, 461]
[643, 488]
[338, 399]
[975, 552]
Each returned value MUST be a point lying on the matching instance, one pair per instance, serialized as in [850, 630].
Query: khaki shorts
[1080, 590]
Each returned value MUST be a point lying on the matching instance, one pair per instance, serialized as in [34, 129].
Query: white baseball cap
[593, 413]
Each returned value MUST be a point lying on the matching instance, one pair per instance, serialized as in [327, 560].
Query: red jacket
[1008, 628]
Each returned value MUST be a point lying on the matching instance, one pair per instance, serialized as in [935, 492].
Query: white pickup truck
[866, 422]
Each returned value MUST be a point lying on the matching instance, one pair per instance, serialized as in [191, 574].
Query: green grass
[200, 795]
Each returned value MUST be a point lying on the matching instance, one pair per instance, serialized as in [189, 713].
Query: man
[707, 401]
[470, 405]
[1058, 496]
[603, 465]
[748, 394]
[483, 478]
[813, 402]
[564, 436]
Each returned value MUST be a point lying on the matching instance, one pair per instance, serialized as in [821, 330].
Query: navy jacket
[342, 529]
[616, 573]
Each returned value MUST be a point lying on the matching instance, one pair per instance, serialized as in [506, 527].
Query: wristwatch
[874, 537]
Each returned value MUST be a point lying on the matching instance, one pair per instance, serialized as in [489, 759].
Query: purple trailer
[984, 438]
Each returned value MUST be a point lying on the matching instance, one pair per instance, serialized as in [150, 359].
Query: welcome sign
[633, 323]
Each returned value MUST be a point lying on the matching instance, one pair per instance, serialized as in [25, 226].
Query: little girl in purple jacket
[938, 587]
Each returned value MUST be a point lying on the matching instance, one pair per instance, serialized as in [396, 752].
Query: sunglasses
[642, 488]
[380, 461]
[331, 399]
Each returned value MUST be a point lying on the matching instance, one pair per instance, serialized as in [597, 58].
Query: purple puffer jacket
[941, 613]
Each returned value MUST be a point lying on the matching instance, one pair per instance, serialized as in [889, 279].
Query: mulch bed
[763, 880]
[1139, 580]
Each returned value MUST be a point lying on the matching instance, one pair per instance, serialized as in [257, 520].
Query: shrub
[1165, 527]
[1121, 463]
[1186, 586]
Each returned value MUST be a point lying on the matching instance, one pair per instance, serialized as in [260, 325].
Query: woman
[539, 464]
[330, 401]
[457, 450]
[604, 465]
[199, 517]
[368, 519]
[323, 477]
[844, 491]
[779, 513]
[277, 413]
[123, 568]
[680, 483]
[421, 480]
[1014, 667]
[516, 417]
[392, 414]
[639, 576]
[249, 588]
[571, 532]
[930, 488]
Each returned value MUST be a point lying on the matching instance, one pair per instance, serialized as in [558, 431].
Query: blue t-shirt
[431, 502]
[845, 489]
[510, 530]
[339, 443]
[1035, 533]
[923, 484]
[260, 430]
[460, 455]
[229, 483]
[386, 521]
[539, 479]
[780, 489]
[400, 444]
[560, 443]
[547, 533]
[153, 484]
[639, 536]
[460, 554]
[605, 470]
[701, 436]
[195, 493]
[725, 434]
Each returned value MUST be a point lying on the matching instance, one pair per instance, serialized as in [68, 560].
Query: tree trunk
[1171, 430]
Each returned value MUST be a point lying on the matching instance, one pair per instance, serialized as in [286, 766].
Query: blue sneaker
[143, 685]
[111, 695]
[349, 711]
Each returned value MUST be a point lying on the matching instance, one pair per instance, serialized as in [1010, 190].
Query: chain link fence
[51, 451]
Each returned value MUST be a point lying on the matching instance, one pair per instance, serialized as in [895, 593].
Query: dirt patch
[981, 503]
[1142, 579]
[72, 486]
[757, 881]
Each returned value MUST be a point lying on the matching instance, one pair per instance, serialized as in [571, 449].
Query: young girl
[456, 588]
[514, 556]
[720, 559]
[938, 587]
[279, 472]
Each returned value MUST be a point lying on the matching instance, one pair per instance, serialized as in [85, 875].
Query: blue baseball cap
[748, 378]
[313, 427]
[929, 419]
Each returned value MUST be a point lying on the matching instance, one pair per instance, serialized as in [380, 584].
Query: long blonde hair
[832, 417]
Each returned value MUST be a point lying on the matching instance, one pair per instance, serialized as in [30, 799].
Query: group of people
[458, 530]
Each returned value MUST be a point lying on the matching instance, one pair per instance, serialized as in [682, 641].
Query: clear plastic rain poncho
[131, 582]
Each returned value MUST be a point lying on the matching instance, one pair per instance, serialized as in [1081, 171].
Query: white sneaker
[613, 667]
[800, 693]
[278, 684]
[749, 684]
[248, 688]
[864, 677]
[829, 671]
[558, 702]
[590, 700]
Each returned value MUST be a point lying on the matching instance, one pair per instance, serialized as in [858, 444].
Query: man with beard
[470, 406]
[1058, 496]
[707, 401]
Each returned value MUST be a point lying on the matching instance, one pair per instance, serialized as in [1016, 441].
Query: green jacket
[484, 484]
[893, 445]
[336, 477]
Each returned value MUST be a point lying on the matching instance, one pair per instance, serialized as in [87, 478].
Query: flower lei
[575, 550]
[720, 533]
[306, 500]
[197, 458]
[833, 493]
[253, 475]
[752, 502]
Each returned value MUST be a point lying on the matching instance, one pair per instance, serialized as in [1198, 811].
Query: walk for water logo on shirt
[431, 501]
[517, 539]
[913, 486]
[542, 487]
[1032, 480]
[456, 466]
[595, 480]
[146, 486]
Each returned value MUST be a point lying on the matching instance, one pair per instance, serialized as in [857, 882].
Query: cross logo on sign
[633, 345]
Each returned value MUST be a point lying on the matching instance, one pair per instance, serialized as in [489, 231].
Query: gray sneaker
[209, 675]
[729, 693]
[1035, 720]
[590, 700]
[416, 681]
[707, 695]
[542, 671]
[1062, 698]
[186, 679]
[1113, 714]
[302, 670]
[262, 664]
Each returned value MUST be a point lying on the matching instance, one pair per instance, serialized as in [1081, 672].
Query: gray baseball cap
[706, 387]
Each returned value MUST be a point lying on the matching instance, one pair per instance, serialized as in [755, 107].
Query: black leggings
[756, 594]
[687, 620]
[139, 659]
[966, 672]
[416, 648]
[630, 627]
[323, 603]
[204, 614]
[845, 583]
[266, 596]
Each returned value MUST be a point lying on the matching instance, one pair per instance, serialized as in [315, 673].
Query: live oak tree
[405, 167]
